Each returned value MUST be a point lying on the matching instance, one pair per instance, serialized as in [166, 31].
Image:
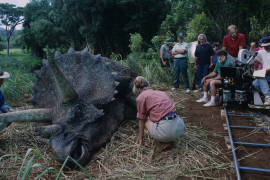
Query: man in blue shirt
[203, 58]
[3, 107]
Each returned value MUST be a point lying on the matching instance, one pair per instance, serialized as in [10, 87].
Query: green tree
[10, 16]
[202, 24]
[104, 25]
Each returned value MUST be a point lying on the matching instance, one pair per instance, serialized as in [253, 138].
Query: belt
[170, 116]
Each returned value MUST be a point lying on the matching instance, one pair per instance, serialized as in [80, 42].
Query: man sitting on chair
[263, 57]
[214, 79]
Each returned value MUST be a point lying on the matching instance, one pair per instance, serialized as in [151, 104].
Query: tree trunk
[8, 46]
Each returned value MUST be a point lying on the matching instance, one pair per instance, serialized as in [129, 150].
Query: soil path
[210, 119]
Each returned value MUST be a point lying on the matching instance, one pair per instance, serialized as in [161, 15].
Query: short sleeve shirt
[153, 105]
[264, 58]
[204, 52]
[232, 45]
[166, 51]
[219, 65]
[179, 46]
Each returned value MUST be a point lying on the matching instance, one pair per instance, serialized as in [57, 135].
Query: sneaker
[267, 100]
[204, 100]
[209, 104]
[160, 146]
[173, 89]
[197, 90]
[187, 90]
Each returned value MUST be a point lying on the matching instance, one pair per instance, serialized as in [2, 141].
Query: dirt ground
[210, 119]
[200, 154]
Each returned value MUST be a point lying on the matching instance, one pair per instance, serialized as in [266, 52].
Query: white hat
[265, 44]
[4, 75]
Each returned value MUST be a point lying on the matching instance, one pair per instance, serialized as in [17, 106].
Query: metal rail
[250, 127]
[236, 165]
[253, 169]
[243, 114]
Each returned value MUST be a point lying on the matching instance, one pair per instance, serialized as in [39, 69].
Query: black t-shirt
[204, 52]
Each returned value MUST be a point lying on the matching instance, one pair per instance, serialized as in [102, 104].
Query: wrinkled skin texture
[86, 121]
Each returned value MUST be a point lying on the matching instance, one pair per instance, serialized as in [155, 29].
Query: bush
[147, 63]
[19, 65]
[201, 24]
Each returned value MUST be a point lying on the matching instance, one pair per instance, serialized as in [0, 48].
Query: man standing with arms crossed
[179, 52]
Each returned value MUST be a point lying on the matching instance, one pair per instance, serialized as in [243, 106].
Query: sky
[20, 3]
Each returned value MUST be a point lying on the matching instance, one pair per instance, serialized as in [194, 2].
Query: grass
[194, 156]
[19, 64]
[25, 156]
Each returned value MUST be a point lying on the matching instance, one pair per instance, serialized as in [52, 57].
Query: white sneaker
[266, 100]
[187, 90]
[197, 90]
[209, 104]
[205, 100]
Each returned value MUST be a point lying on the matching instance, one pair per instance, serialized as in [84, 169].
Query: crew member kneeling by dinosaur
[157, 113]
[3, 107]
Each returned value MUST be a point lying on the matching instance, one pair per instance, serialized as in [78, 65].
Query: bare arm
[141, 130]
[161, 56]
[224, 48]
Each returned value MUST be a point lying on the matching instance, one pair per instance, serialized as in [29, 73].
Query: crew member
[156, 112]
[214, 79]
[179, 52]
[233, 42]
[263, 57]
[165, 54]
[3, 107]
[203, 59]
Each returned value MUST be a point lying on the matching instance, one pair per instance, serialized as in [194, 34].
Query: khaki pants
[168, 130]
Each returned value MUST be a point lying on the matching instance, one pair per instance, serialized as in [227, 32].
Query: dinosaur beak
[65, 146]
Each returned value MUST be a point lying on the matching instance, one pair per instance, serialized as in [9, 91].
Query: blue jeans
[180, 64]
[201, 72]
[3, 108]
[261, 84]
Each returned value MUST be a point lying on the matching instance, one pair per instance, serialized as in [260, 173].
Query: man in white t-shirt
[179, 52]
[263, 57]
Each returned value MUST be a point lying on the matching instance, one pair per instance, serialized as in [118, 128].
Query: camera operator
[263, 57]
[214, 79]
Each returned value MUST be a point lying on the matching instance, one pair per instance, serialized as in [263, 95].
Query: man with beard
[203, 59]
[214, 79]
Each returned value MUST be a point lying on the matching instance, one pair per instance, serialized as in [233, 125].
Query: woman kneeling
[157, 113]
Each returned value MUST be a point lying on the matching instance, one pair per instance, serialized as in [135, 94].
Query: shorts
[168, 130]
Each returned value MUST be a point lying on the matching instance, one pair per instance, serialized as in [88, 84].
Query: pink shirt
[153, 105]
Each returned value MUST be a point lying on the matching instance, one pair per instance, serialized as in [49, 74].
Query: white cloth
[264, 58]
[179, 46]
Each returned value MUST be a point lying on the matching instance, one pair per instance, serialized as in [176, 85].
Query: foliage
[32, 160]
[10, 16]
[257, 30]
[104, 25]
[147, 63]
[19, 65]
[201, 24]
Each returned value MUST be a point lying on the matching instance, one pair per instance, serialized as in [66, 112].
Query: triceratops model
[85, 97]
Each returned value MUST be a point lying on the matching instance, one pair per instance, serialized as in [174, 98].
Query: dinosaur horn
[32, 115]
[67, 91]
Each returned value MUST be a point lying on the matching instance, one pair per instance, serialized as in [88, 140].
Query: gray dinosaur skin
[89, 96]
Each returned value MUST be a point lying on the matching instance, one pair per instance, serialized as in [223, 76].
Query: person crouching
[156, 112]
[214, 79]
